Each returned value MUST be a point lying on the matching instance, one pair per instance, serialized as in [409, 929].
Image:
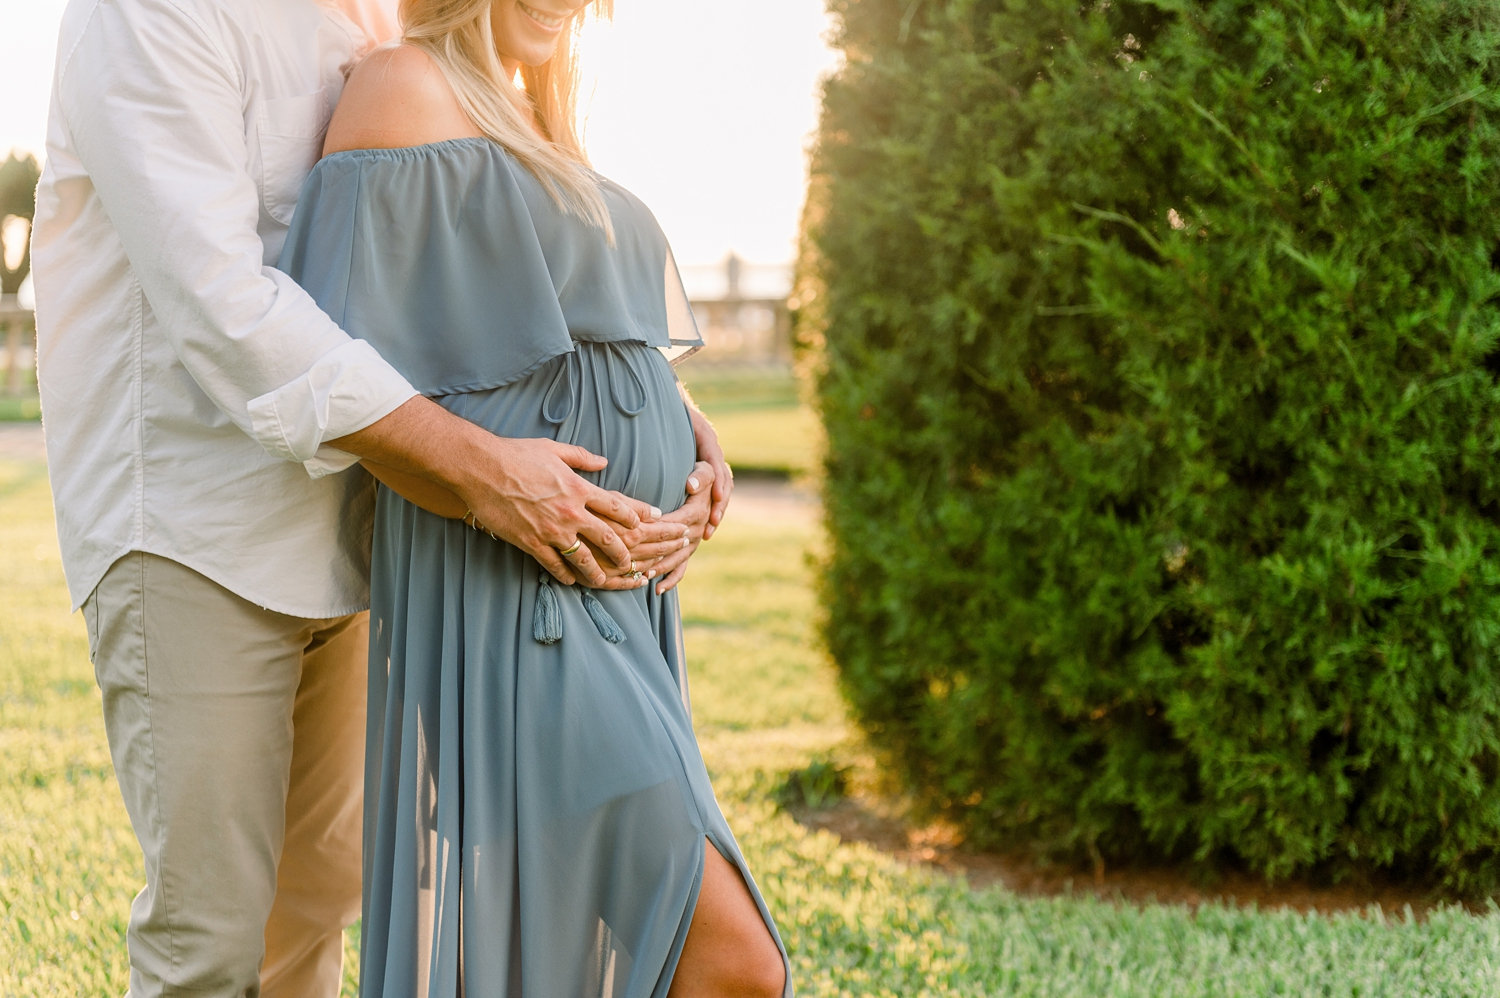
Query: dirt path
[764, 498]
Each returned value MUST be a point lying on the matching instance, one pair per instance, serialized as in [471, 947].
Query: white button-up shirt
[187, 386]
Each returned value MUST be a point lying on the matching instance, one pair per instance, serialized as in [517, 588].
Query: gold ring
[577, 543]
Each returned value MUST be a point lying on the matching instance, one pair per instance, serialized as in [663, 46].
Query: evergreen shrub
[1157, 351]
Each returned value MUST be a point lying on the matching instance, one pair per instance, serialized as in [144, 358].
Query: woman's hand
[694, 515]
[665, 561]
[711, 453]
[652, 543]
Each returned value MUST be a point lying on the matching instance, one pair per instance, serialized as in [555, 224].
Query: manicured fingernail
[693, 483]
[651, 574]
[655, 513]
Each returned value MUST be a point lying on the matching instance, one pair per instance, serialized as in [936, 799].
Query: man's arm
[525, 490]
[153, 101]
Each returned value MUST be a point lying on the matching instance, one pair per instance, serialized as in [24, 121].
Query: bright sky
[703, 108]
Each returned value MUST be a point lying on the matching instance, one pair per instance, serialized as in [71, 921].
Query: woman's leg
[729, 952]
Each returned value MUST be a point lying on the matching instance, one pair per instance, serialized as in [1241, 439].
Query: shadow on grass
[888, 824]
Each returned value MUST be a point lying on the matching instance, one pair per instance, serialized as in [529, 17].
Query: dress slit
[567, 790]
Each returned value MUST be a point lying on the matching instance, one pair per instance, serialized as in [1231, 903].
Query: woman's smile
[552, 22]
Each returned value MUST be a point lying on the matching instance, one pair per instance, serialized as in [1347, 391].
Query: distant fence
[741, 309]
[19, 328]
[742, 312]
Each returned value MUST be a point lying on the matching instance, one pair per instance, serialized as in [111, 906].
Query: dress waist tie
[558, 404]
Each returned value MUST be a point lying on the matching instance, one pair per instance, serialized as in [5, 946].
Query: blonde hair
[458, 36]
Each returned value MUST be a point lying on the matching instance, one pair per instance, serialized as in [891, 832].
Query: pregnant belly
[618, 400]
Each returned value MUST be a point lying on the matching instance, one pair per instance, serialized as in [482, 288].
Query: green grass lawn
[20, 408]
[761, 421]
[856, 922]
[24, 406]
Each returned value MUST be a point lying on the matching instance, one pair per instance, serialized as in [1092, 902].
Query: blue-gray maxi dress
[536, 807]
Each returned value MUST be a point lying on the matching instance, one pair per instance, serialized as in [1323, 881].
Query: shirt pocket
[289, 134]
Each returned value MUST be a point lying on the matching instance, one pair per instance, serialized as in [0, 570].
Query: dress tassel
[546, 619]
[608, 629]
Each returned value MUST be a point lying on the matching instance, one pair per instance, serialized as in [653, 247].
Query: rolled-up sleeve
[155, 106]
[345, 390]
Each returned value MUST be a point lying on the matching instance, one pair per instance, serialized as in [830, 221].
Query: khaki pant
[238, 737]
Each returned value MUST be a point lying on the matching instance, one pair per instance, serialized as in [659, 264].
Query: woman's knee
[746, 973]
[730, 952]
[753, 966]
[763, 975]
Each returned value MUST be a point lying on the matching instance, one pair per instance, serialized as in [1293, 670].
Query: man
[197, 407]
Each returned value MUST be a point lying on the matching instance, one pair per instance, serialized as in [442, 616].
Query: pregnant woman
[539, 822]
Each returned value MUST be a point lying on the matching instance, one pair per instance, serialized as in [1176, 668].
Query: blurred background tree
[18, 178]
[1157, 354]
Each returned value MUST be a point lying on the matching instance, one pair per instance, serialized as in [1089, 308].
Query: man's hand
[533, 498]
[525, 491]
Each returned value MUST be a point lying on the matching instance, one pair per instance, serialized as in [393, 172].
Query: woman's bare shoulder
[397, 96]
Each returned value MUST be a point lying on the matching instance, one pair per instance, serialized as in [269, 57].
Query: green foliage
[1158, 368]
[820, 783]
[18, 179]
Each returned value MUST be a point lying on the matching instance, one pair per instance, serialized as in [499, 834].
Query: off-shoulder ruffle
[435, 253]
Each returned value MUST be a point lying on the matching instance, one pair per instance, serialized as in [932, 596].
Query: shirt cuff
[329, 461]
[346, 390]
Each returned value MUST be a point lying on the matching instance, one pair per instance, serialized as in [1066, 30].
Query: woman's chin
[532, 56]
